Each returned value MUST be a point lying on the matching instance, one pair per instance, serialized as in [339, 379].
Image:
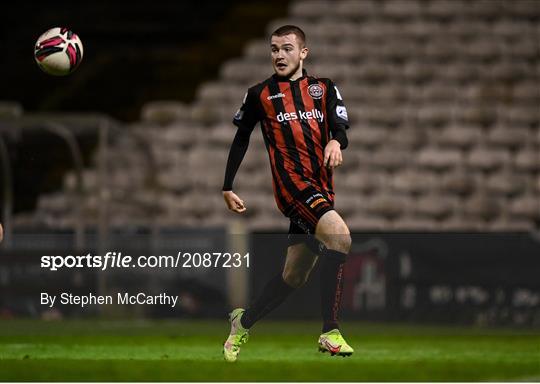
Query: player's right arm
[238, 149]
[245, 119]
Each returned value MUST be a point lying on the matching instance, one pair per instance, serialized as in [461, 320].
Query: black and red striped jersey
[298, 118]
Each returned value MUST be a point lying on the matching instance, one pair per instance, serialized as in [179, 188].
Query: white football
[58, 51]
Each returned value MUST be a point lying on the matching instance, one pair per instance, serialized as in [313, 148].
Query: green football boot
[334, 343]
[238, 336]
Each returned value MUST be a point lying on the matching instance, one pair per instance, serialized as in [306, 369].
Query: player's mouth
[281, 66]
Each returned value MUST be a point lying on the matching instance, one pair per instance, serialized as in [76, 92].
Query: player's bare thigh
[298, 265]
[333, 232]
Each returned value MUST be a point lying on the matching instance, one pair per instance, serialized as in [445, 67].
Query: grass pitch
[191, 351]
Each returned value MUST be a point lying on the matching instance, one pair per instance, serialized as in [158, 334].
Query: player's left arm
[338, 123]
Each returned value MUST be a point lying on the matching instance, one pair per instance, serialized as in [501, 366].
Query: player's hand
[332, 154]
[234, 203]
[1, 233]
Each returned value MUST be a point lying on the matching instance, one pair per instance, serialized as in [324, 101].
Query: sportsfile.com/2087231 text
[118, 260]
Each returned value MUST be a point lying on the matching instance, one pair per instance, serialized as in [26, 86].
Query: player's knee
[338, 242]
[345, 242]
[295, 279]
[334, 234]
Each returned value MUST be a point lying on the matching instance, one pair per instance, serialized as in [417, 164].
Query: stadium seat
[357, 10]
[523, 115]
[434, 207]
[505, 184]
[255, 180]
[413, 182]
[487, 159]
[310, 9]
[482, 50]
[459, 183]
[459, 136]
[180, 134]
[526, 207]
[219, 92]
[363, 181]
[528, 159]
[363, 222]
[486, 9]
[434, 115]
[220, 134]
[524, 8]
[511, 224]
[164, 112]
[505, 137]
[415, 223]
[509, 30]
[258, 50]
[268, 222]
[391, 159]
[526, 92]
[368, 137]
[443, 9]
[348, 203]
[439, 159]
[387, 206]
[482, 207]
[408, 138]
[400, 10]
[467, 29]
[462, 222]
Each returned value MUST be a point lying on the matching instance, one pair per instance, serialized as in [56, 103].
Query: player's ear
[304, 52]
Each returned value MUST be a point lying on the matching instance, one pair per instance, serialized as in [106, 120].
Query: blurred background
[440, 184]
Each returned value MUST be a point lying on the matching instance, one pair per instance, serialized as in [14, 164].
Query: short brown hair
[291, 29]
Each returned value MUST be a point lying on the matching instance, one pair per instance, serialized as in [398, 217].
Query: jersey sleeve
[245, 119]
[338, 119]
[247, 116]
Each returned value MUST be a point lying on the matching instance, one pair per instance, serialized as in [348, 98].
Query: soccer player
[304, 122]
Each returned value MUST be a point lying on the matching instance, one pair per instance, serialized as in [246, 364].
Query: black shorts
[309, 206]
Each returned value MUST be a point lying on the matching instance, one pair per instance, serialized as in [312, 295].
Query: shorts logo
[315, 91]
[313, 197]
[317, 202]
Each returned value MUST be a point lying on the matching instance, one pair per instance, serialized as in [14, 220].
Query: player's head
[288, 45]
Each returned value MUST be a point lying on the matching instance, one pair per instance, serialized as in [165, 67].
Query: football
[58, 51]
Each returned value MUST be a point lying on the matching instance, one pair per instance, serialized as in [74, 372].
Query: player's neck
[298, 74]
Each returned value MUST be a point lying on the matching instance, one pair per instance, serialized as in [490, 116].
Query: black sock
[331, 288]
[273, 294]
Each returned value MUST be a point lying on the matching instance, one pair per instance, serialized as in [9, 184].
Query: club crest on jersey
[315, 91]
